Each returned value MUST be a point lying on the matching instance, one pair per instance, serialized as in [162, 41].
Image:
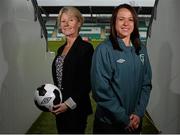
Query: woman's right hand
[60, 108]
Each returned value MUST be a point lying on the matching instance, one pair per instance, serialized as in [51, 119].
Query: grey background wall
[25, 65]
[164, 51]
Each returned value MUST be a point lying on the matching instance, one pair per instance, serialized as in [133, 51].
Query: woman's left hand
[135, 121]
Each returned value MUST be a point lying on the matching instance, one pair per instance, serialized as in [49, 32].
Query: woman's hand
[60, 108]
[134, 122]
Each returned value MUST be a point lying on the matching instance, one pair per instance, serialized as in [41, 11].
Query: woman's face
[124, 23]
[69, 24]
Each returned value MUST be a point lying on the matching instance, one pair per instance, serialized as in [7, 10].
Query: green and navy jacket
[121, 82]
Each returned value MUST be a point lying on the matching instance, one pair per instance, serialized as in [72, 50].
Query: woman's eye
[120, 19]
[131, 20]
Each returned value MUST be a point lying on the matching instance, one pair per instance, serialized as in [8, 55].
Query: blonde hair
[72, 10]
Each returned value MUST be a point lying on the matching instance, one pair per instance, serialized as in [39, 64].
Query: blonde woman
[71, 73]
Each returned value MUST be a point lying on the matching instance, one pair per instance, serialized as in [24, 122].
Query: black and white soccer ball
[46, 96]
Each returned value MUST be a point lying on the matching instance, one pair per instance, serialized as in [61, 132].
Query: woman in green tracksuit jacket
[121, 76]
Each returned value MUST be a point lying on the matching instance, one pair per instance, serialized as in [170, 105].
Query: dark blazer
[76, 75]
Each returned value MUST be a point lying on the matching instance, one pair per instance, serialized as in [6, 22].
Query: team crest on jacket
[141, 56]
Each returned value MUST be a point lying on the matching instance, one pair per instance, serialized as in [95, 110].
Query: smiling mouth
[67, 29]
[125, 30]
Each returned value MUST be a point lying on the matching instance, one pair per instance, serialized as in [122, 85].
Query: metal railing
[153, 17]
[38, 16]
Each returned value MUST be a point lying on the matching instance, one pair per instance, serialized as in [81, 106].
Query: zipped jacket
[121, 82]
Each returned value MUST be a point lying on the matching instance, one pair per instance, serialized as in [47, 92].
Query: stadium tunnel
[28, 27]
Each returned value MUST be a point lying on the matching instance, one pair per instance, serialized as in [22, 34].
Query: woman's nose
[126, 22]
[66, 23]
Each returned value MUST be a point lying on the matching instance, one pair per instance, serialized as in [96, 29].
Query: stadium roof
[95, 7]
[95, 10]
[103, 10]
[141, 3]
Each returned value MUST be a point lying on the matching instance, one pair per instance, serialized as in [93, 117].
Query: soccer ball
[46, 96]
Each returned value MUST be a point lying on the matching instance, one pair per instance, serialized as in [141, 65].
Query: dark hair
[135, 38]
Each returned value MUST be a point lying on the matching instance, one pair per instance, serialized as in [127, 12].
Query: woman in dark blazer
[71, 73]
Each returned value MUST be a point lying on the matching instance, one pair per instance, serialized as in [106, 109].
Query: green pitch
[45, 124]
